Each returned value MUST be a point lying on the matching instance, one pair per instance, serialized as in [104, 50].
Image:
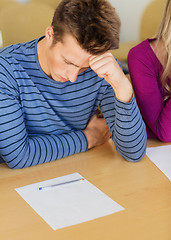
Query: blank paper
[161, 157]
[68, 204]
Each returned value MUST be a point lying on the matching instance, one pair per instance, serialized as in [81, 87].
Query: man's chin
[59, 79]
[64, 79]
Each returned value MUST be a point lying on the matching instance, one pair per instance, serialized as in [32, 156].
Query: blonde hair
[164, 34]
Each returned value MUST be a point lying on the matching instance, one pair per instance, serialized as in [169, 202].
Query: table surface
[141, 188]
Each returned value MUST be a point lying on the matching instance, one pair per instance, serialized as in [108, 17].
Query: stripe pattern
[42, 120]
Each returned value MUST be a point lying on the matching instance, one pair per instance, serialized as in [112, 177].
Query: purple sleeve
[145, 79]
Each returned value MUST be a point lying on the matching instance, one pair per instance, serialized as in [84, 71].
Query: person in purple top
[150, 71]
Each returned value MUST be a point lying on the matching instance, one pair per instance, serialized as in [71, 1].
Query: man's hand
[107, 67]
[96, 131]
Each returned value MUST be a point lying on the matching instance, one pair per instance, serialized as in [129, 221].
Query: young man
[50, 89]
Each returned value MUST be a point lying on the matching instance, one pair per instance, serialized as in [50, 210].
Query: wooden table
[141, 188]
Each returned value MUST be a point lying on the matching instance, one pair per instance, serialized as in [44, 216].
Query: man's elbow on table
[134, 156]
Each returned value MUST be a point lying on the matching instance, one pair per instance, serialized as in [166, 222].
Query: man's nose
[73, 74]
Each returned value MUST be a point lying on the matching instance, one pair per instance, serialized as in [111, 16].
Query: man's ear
[49, 33]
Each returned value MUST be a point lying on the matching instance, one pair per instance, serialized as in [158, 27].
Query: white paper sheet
[68, 204]
[161, 157]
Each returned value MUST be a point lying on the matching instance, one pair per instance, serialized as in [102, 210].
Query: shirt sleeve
[20, 150]
[145, 80]
[126, 126]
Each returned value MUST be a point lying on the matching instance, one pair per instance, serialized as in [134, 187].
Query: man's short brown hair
[94, 24]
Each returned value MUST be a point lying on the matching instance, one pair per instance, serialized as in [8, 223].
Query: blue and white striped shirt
[42, 120]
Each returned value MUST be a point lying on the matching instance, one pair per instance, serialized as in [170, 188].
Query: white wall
[130, 12]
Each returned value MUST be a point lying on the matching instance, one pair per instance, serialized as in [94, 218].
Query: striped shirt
[43, 120]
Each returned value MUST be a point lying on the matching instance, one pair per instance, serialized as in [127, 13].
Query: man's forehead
[77, 63]
[73, 52]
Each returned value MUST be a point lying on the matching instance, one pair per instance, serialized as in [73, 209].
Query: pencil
[62, 183]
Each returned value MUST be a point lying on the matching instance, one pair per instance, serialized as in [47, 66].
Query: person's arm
[145, 79]
[120, 109]
[108, 68]
[126, 126]
[20, 150]
[96, 132]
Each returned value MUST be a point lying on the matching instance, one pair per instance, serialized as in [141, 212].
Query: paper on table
[68, 204]
[161, 157]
